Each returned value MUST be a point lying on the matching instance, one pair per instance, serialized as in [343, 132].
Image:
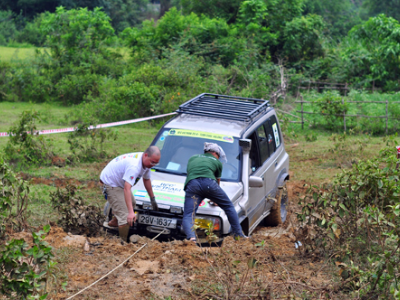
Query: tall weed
[25, 147]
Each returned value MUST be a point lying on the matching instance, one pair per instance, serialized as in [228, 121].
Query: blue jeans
[200, 188]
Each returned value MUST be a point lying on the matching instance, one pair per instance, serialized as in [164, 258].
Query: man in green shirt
[203, 178]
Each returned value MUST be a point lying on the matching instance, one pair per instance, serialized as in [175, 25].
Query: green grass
[133, 137]
[11, 53]
[312, 162]
[15, 53]
[361, 125]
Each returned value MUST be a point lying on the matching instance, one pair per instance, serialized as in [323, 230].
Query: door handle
[276, 163]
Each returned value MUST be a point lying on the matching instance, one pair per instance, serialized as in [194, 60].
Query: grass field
[372, 125]
[313, 162]
[10, 53]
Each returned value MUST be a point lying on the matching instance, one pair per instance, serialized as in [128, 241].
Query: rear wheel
[278, 213]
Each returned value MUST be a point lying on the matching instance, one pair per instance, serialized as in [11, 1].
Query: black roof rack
[224, 107]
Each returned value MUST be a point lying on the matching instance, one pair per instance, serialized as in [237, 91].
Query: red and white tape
[70, 129]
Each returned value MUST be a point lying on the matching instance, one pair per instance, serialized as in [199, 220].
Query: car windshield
[178, 145]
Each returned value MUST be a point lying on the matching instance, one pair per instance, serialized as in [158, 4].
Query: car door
[258, 153]
[275, 161]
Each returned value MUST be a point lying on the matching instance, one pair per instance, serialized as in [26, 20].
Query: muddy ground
[265, 266]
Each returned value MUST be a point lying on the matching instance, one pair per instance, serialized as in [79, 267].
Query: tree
[390, 8]
[374, 48]
[225, 9]
[341, 15]
[77, 34]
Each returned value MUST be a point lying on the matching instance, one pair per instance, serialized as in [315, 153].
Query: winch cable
[81, 291]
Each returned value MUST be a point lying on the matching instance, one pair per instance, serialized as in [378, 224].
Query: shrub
[332, 108]
[25, 147]
[72, 89]
[88, 145]
[357, 221]
[28, 272]
[14, 200]
[121, 100]
[75, 216]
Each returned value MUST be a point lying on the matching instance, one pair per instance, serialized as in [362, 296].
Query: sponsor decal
[202, 134]
[170, 192]
[276, 134]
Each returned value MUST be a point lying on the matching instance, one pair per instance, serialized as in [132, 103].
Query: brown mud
[181, 270]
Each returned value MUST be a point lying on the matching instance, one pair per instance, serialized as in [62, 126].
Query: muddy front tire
[278, 213]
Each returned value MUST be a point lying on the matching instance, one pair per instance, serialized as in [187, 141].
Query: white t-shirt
[127, 167]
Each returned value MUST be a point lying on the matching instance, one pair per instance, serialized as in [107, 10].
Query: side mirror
[256, 182]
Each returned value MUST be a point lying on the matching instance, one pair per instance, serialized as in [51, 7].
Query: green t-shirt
[203, 165]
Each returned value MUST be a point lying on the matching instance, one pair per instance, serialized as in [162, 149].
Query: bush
[357, 220]
[87, 145]
[14, 200]
[28, 272]
[8, 28]
[75, 216]
[31, 33]
[72, 89]
[121, 100]
[25, 147]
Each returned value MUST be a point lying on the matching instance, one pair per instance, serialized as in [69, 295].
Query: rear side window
[275, 130]
[265, 140]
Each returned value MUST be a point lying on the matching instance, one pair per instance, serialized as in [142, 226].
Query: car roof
[208, 124]
[221, 114]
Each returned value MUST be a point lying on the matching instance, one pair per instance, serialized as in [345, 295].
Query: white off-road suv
[254, 177]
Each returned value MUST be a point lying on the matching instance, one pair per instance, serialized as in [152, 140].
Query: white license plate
[157, 221]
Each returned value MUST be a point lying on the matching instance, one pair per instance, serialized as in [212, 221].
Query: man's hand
[154, 203]
[131, 218]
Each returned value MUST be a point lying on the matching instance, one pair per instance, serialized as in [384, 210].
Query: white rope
[114, 268]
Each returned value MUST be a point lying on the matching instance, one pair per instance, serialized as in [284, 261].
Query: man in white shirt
[119, 176]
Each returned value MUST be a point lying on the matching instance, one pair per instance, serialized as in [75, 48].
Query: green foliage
[357, 218]
[224, 9]
[25, 146]
[28, 272]
[75, 35]
[75, 216]
[14, 200]
[390, 8]
[31, 32]
[341, 15]
[302, 38]
[87, 145]
[72, 89]
[373, 52]
[311, 137]
[8, 28]
[331, 106]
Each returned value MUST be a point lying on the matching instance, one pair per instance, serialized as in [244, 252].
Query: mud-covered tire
[278, 213]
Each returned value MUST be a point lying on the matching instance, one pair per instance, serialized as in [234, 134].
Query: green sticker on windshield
[202, 134]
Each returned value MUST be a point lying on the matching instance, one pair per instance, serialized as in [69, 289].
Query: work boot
[124, 232]
[113, 222]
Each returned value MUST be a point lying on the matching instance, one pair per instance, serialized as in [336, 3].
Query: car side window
[275, 130]
[254, 162]
[263, 143]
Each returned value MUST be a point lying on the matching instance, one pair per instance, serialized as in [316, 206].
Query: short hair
[152, 150]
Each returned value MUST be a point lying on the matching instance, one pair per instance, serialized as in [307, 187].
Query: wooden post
[387, 115]
[344, 116]
[302, 120]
